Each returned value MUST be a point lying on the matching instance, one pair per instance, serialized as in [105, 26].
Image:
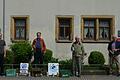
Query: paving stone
[83, 77]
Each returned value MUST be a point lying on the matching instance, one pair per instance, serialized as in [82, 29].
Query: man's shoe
[1, 74]
[118, 75]
[78, 75]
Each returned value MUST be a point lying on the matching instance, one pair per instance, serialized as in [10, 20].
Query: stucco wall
[1, 15]
[42, 18]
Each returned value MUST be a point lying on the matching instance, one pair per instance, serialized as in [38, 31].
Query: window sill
[96, 41]
[14, 41]
[64, 41]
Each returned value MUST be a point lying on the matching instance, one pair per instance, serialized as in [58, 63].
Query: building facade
[60, 21]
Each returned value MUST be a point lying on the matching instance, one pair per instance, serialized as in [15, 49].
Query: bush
[48, 56]
[54, 60]
[22, 51]
[65, 64]
[96, 57]
[9, 57]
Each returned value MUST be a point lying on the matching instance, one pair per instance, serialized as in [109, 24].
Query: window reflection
[20, 25]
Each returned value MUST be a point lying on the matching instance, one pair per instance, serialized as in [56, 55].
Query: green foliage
[96, 57]
[48, 56]
[65, 64]
[54, 60]
[22, 51]
[9, 57]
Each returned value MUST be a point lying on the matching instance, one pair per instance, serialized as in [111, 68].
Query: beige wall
[42, 18]
[1, 14]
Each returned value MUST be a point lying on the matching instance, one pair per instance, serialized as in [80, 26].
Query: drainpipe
[3, 19]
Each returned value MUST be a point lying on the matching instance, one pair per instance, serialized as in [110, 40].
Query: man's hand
[112, 52]
[4, 55]
[85, 54]
[4, 51]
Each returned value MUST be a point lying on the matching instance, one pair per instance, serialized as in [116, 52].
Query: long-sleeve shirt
[42, 45]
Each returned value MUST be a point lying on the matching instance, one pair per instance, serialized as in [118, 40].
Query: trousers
[38, 57]
[1, 64]
[77, 65]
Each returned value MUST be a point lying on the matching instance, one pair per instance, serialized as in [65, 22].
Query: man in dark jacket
[2, 54]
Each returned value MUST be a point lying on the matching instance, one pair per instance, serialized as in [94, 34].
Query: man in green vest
[77, 49]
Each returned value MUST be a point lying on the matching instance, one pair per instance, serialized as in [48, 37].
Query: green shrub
[65, 64]
[22, 51]
[54, 60]
[96, 57]
[9, 57]
[47, 56]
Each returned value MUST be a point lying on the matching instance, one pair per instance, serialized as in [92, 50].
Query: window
[19, 28]
[104, 29]
[97, 28]
[89, 29]
[64, 28]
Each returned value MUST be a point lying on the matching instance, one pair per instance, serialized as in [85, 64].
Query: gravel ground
[83, 77]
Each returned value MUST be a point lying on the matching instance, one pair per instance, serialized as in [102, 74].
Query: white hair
[77, 36]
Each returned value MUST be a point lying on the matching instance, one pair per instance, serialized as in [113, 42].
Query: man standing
[114, 54]
[39, 49]
[77, 49]
[2, 54]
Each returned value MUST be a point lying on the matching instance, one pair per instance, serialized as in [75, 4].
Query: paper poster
[53, 68]
[24, 68]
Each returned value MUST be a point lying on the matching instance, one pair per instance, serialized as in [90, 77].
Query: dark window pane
[86, 23]
[64, 23]
[64, 29]
[20, 22]
[97, 29]
[20, 26]
[64, 33]
[17, 33]
[22, 33]
[89, 26]
[89, 33]
[104, 23]
[61, 31]
[67, 33]
[104, 33]
[89, 23]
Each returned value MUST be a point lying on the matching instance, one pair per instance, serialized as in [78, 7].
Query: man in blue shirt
[114, 56]
[39, 49]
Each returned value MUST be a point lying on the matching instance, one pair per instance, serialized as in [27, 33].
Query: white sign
[24, 68]
[53, 68]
